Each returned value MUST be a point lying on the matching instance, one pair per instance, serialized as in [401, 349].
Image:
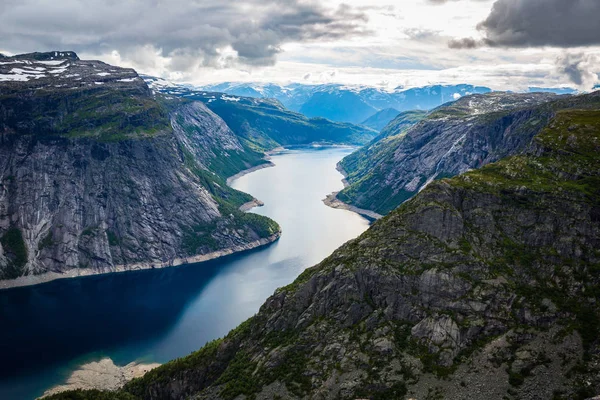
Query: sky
[502, 44]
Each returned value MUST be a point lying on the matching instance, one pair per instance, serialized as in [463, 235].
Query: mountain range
[265, 122]
[346, 103]
[481, 281]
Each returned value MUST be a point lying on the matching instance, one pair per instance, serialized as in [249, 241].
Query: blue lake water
[47, 331]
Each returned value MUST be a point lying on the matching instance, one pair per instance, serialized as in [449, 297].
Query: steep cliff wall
[97, 174]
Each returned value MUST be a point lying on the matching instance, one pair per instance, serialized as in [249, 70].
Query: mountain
[469, 133]
[535, 89]
[483, 286]
[346, 103]
[380, 119]
[266, 123]
[98, 175]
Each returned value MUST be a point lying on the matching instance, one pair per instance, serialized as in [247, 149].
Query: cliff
[97, 174]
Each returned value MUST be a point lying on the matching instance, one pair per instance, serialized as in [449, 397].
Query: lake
[48, 330]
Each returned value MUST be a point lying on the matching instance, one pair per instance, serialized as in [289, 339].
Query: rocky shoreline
[102, 375]
[268, 164]
[30, 280]
[332, 201]
[251, 204]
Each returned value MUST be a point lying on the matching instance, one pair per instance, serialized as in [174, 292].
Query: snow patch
[15, 77]
[103, 73]
[228, 98]
[52, 62]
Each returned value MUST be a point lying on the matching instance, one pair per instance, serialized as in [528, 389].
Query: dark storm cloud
[189, 31]
[561, 23]
[465, 43]
[531, 23]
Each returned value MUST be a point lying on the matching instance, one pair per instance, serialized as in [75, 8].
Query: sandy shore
[102, 375]
[332, 201]
[79, 272]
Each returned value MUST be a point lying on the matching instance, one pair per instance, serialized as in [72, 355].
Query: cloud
[447, 1]
[529, 23]
[579, 69]
[465, 43]
[421, 34]
[189, 33]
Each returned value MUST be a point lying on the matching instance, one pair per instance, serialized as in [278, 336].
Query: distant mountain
[346, 103]
[535, 89]
[264, 122]
[380, 119]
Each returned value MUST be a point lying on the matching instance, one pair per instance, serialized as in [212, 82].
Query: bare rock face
[96, 173]
[482, 286]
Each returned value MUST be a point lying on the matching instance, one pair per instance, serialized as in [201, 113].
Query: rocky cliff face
[472, 132]
[483, 286]
[96, 173]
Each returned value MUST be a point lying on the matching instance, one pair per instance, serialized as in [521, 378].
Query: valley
[412, 247]
[160, 314]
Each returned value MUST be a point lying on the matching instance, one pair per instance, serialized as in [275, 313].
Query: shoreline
[101, 375]
[32, 280]
[342, 171]
[254, 202]
[232, 178]
[251, 204]
[46, 277]
[332, 201]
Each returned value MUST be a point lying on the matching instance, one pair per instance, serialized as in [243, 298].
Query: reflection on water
[157, 315]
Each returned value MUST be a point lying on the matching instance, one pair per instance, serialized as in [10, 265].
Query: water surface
[47, 331]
